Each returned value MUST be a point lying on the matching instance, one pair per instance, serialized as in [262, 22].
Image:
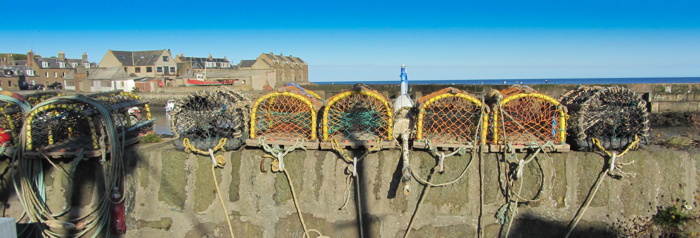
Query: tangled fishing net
[524, 116]
[209, 119]
[64, 125]
[289, 113]
[359, 114]
[449, 116]
[613, 115]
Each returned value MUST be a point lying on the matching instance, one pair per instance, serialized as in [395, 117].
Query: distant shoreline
[529, 81]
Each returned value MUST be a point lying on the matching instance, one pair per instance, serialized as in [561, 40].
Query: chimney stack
[85, 59]
[30, 58]
[61, 56]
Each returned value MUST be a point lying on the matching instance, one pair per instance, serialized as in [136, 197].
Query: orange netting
[359, 114]
[289, 113]
[449, 116]
[526, 116]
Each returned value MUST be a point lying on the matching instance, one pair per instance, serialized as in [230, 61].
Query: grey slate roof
[137, 58]
[246, 63]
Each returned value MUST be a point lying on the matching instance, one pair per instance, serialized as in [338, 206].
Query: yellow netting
[290, 113]
[359, 114]
[449, 116]
[526, 116]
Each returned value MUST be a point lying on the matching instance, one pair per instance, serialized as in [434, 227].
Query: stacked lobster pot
[524, 118]
[209, 119]
[14, 108]
[450, 118]
[67, 126]
[615, 116]
[285, 117]
[358, 117]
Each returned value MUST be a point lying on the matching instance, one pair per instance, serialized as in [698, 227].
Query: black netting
[204, 118]
[613, 115]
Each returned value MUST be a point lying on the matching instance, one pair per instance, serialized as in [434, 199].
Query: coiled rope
[32, 177]
[508, 211]
[351, 171]
[439, 167]
[217, 161]
[277, 154]
[608, 169]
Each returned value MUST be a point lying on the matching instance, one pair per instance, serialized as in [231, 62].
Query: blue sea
[536, 81]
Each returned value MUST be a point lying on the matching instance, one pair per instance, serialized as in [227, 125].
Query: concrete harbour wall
[172, 194]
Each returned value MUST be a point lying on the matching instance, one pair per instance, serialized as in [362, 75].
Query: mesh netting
[614, 115]
[449, 116]
[66, 125]
[526, 116]
[359, 114]
[288, 114]
[207, 119]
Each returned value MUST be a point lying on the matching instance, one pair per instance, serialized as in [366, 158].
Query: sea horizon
[637, 80]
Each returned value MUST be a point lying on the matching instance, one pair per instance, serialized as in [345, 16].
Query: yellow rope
[630, 146]
[599, 180]
[213, 174]
[191, 149]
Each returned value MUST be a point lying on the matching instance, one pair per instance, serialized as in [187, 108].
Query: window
[172, 69]
[159, 69]
[55, 74]
[225, 65]
[149, 69]
[126, 69]
[44, 64]
[30, 72]
[61, 64]
[165, 58]
[74, 64]
[87, 65]
[63, 74]
[47, 74]
[210, 64]
[137, 69]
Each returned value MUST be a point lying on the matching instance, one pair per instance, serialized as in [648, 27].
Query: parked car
[55, 85]
[36, 87]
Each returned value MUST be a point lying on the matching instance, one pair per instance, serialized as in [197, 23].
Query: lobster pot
[616, 116]
[13, 111]
[211, 119]
[523, 117]
[359, 117]
[450, 117]
[66, 126]
[285, 116]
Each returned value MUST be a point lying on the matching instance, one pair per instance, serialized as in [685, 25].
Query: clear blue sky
[369, 40]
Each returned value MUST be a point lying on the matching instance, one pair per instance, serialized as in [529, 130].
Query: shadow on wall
[529, 225]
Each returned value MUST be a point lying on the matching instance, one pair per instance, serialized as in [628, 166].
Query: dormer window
[225, 65]
[74, 64]
[44, 64]
[30, 72]
[61, 64]
[87, 65]
[210, 64]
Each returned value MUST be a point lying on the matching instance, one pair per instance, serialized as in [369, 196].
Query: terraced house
[152, 63]
[287, 68]
[49, 70]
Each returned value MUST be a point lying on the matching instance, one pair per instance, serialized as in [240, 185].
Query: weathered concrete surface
[172, 194]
